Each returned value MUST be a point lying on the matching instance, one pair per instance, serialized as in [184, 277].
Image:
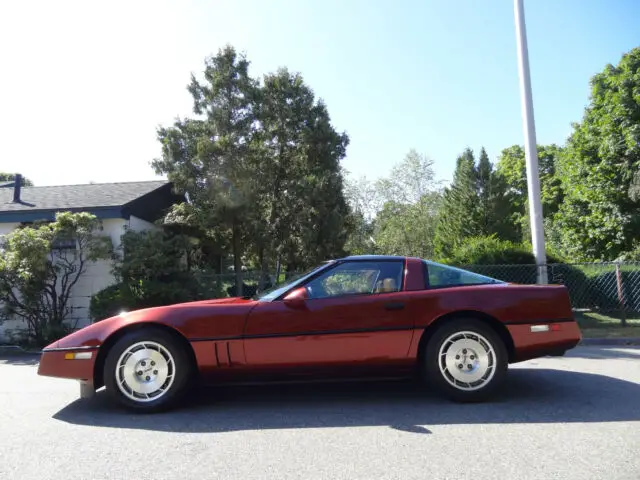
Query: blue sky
[85, 85]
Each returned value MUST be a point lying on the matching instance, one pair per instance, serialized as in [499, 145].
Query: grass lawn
[600, 325]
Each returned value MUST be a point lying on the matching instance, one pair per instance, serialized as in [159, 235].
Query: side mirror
[297, 298]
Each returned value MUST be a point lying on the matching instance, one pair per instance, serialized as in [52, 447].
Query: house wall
[7, 227]
[138, 224]
[97, 277]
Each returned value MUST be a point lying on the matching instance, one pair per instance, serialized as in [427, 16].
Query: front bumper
[74, 363]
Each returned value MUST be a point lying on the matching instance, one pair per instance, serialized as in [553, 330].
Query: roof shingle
[61, 197]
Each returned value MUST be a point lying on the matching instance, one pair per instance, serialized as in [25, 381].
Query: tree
[300, 175]
[210, 158]
[457, 217]
[408, 229]
[10, 177]
[39, 267]
[409, 180]
[410, 198]
[476, 204]
[600, 168]
[364, 202]
[495, 203]
[511, 167]
[261, 166]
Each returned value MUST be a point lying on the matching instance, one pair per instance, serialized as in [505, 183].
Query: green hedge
[493, 251]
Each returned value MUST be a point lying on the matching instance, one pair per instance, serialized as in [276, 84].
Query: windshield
[275, 292]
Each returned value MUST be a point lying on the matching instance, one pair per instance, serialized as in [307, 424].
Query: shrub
[40, 265]
[493, 251]
[490, 251]
[515, 262]
[152, 270]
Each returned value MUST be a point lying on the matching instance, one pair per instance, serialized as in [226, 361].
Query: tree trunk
[237, 260]
[263, 268]
[278, 269]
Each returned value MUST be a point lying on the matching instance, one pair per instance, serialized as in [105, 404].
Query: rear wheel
[147, 370]
[466, 360]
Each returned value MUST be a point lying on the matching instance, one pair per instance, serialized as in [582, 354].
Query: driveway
[576, 417]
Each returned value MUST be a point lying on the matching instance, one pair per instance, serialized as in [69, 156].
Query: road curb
[609, 341]
[14, 350]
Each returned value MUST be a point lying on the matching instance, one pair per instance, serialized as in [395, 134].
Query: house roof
[109, 198]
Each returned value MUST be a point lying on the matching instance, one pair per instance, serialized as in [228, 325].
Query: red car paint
[238, 339]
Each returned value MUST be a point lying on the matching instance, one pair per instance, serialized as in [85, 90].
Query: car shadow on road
[529, 396]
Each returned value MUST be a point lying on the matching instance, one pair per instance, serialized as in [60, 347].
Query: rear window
[442, 276]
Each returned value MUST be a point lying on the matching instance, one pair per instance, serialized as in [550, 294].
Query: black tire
[182, 371]
[442, 380]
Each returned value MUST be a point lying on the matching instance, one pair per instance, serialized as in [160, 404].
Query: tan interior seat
[388, 285]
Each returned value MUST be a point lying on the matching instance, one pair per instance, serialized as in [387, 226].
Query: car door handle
[394, 306]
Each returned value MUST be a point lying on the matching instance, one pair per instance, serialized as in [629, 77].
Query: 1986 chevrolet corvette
[356, 317]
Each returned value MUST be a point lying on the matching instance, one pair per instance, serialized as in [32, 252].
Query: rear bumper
[76, 364]
[532, 341]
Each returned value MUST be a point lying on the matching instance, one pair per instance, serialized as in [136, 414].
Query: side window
[445, 276]
[358, 278]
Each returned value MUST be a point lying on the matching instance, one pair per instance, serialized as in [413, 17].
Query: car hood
[95, 333]
[216, 301]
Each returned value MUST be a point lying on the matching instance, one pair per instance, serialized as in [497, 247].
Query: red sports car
[363, 316]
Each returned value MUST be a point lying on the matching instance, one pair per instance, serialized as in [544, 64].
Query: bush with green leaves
[494, 251]
[515, 262]
[39, 267]
[152, 268]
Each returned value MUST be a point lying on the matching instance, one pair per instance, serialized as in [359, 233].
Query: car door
[356, 314]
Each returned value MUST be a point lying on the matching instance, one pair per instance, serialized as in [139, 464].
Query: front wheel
[466, 360]
[147, 370]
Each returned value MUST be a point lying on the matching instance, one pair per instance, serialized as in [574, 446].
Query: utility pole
[530, 148]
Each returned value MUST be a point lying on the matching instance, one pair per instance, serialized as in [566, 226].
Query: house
[133, 205]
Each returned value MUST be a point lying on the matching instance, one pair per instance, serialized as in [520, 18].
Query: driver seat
[387, 285]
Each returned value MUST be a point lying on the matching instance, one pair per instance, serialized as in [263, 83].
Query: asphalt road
[576, 417]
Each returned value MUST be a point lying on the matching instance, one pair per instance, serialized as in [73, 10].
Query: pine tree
[476, 204]
[457, 218]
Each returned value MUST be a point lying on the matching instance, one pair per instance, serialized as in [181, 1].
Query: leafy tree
[406, 202]
[409, 180]
[260, 165]
[511, 167]
[39, 267]
[210, 158]
[408, 229]
[363, 200]
[301, 190]
[10, 177]
[600, 168]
